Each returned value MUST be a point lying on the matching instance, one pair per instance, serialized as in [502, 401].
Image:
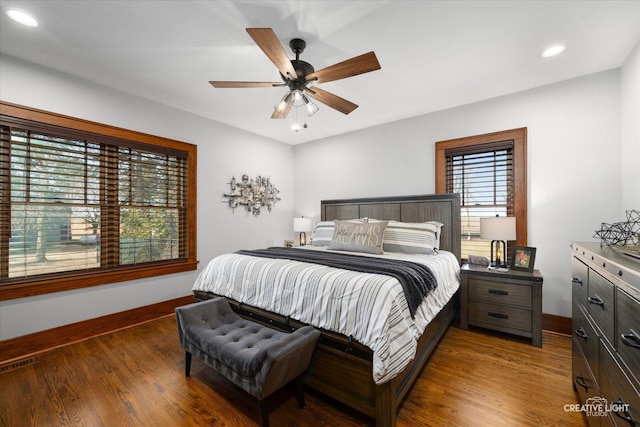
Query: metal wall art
[253, 194]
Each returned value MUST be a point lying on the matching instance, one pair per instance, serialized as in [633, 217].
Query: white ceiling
[434, 54]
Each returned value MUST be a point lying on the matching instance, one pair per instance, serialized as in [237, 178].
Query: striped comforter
[371, 308]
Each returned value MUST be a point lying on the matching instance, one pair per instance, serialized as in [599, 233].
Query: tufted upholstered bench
[258, 359]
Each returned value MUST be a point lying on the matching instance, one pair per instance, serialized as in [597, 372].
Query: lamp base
[498, 263]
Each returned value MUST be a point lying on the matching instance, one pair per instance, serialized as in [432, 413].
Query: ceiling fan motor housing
[303, 68]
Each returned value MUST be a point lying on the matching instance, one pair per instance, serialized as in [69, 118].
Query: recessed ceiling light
[22, 17]
[553, 51]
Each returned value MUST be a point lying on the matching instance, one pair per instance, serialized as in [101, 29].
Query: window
[489, 173]
[89, 202]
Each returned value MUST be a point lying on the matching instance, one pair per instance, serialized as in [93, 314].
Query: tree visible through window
[489, 173]
[76, 203]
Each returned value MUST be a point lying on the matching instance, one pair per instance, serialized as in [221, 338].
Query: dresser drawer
[616, 387]
[501, 318]
[585, 336]
[583, 381]
[579, 280]
[600, 305]
[628, 338]
[500, 293]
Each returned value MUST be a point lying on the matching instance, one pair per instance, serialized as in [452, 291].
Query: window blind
[73, 201]
[483, 175]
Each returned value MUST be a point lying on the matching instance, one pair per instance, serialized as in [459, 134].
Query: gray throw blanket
[416, 279]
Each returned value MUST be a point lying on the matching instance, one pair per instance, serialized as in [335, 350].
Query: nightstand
[508, 302]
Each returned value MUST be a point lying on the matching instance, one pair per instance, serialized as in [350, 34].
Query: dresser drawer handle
[498, 315]
[632, 339]
[582, 382]
[576, 280]
[498, 292]
[581, 333]
[618, 407]
[596, 300]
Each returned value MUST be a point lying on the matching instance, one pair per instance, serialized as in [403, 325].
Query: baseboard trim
[558, 324]
[38, 342]
[29, 345]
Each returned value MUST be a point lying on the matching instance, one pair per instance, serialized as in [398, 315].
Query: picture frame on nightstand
[523, 258]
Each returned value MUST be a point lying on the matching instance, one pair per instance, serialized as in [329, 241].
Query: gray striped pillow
[323, 233]
[412, 237]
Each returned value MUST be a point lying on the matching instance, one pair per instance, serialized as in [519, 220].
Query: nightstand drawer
[500, 293]
[499, 317]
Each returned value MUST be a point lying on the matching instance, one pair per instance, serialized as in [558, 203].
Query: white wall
[574, 160]
[584, 147]
[630, 98]
[223, 151]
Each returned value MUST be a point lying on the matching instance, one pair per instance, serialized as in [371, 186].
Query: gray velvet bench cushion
[256, 358]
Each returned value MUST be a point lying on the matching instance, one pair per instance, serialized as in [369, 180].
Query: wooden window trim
[70, 281]
[519, 137]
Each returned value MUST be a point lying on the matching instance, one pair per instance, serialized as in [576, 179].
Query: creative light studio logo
[597, 407]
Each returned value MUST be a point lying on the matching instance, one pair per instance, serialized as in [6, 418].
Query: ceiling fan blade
[351, 67]
[281, 111]
[331, 100]
[267, 40]
[227, 84]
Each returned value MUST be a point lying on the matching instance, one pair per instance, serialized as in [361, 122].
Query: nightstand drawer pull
[498, 315]
[498, 292]
[596, 300]
[632, 339]
[625, 415]
[576, 280]
[581, 333]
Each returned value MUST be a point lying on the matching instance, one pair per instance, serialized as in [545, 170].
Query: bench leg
[300, 392]
[187, 363]
[264, 412]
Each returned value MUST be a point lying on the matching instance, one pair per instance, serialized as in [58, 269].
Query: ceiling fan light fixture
[22, 17]
[283, 102]
[309, 106]
[295, 127]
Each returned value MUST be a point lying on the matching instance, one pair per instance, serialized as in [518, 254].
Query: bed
[355, 368]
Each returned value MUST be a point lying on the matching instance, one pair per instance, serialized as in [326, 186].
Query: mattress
[369, 308]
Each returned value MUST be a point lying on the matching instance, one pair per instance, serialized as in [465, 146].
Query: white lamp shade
[302, 224]
[498, 228]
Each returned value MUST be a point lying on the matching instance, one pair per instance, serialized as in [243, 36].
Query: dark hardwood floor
[135, 377]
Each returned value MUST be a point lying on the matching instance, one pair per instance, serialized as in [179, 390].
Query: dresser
[606, 334]
[508, 302]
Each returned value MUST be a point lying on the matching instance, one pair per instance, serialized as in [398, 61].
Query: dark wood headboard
[444, 208]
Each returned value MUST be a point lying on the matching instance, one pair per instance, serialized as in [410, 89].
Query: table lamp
[498, 230]
[302, 225]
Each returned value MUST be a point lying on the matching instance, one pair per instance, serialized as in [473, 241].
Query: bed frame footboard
[342, 369]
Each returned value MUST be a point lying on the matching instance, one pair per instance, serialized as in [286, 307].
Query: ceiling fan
[298, 75]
